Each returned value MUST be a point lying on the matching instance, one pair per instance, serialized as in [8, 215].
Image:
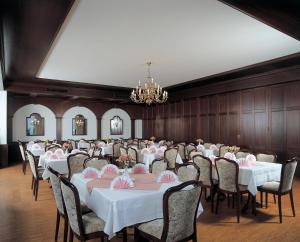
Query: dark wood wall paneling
[263, 119]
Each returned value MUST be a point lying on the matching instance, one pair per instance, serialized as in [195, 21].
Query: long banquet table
[122, 208]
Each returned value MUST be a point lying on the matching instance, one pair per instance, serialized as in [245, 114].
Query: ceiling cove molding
[20, 18]
[241, 73]
[282, 15]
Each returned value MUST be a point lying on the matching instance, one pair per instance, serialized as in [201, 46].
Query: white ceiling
[109, 42]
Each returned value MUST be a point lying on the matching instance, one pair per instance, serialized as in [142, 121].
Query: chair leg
[32, 180]
[71, 236]
[233, 198]
[274, 197]
[36, 189]
[205, 193]
[228, 200]
[238, 207]
[201, 193]
[292, 202]
[66, 225]
[261, 199]
[212, 199]
[279, 207]
[24, 168]
[34, 186]
[57, 225]
[217, 205]
[266, 200]
[253, 204]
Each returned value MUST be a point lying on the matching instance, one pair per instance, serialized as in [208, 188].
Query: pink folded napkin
[230, 156]
[122, 182]
[251, 159]
[139, 169]
[167, 177]
[53, 157]
[48, 153]
[59, 152]
[145, 151]
[109, 169]
[90, 172]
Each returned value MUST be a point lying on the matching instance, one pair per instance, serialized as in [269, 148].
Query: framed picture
[35, 125]
[79, 125]
[116, 126]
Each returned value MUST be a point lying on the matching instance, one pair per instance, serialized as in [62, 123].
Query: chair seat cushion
[84, 208]
[270, 186]
[154, 227]
[207, 183]
[243, 188]
[92, 223]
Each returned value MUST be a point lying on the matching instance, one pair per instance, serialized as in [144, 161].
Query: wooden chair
[284, 187]
[272, 158]
[52, 147]
[170, 156]
[158, 166]
[206, 180]
[36, 174]
[75, 163]
[98, 152]
[95, 162]
[228, 173]
[134, 155]
[188, 172]
[91, 151]
[84, 226]
[241, 154]
[188, 149]
[180, 206]
[223, 150]
[207, 145]
[24, 158]
[181, 151]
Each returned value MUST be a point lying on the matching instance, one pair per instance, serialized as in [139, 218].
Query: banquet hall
[149, 120]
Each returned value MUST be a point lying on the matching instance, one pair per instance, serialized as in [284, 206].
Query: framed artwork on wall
[79, 125]
[35, 125]
[116, 126]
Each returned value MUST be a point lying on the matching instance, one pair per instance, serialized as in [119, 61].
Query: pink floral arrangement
[167, 177]
[109, 169]
[90, 173]
[121, 182]
[139, 169]
[233, 148]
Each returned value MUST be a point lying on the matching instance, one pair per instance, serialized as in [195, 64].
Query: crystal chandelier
[79, 122]
[150, 93]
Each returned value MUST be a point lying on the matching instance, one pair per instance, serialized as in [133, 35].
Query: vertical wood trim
[132, 128]
[58, 128]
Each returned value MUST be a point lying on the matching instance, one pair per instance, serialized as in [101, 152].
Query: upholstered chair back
[181, 203]
[219, 145]
[52, 147]
[32, 163]
[170, 157]
[158, 166]
[116, 149]
[22, 150]
[95, 162]
[193, 153]
[75, 163]
[287, 175]
[133, 154]
[40, 143]
[91, 151]
[188, 172]
[266, 157]
[205, 167]
[123, 150]
[55, 183]
[169, 143]
[72, 205]
[228, 174]
[223, 150]
[73, 144]
[241, 154]
[97, 151]
[143, 145]
[188, 149]
[207, 145]
[181, 148]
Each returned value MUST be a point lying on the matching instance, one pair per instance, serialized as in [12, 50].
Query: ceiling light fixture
[150, 93]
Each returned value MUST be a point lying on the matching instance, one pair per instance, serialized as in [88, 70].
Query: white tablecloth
[107, 150]
[208, 152]
[60, 166]
[122, 208]
[254, 176]
[147, 159]
[37, 152]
